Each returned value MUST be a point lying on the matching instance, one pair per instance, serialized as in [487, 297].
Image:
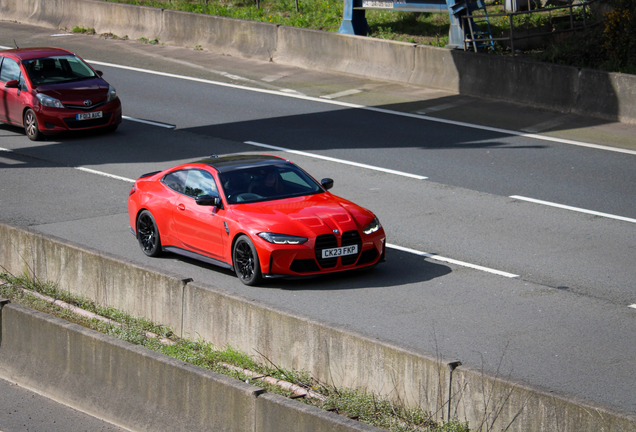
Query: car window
[176, 180]
[10, 70]
[200, 183]
[57, 69]
[267, 183]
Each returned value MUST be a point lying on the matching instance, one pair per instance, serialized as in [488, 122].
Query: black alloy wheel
[245, 259]
[148, 234]
[31, 125]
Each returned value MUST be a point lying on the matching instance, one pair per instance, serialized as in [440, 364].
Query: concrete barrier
[139, 389]
[356, 55]
[331, 354]
[227, 36]
[610, 96]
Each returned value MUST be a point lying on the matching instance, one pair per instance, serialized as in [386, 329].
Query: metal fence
[472, 42]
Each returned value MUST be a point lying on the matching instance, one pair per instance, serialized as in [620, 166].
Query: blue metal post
[354, 21]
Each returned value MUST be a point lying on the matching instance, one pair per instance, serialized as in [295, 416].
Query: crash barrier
[331, 354]
[610, 96]
[139, 389]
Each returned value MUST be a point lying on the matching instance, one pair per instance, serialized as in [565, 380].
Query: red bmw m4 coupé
[262, 216]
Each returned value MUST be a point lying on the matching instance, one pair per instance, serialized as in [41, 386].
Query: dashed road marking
[547, 125]
[342, 94]
[150, 122]
[451, 261]
[576, 209]
[342, 161]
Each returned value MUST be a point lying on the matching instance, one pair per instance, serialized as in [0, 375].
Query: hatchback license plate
[87, 116]
[340, 251]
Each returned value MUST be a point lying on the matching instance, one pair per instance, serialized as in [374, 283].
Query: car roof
[35, 52]
[230, 163]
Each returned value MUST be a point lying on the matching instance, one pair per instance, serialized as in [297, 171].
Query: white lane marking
[342, 94]
[7, 150]
[276, 77]
[374, 109]
[101, 173]
[154, 123]
[548, 124]
[452, 261]
[62, 34]
[577, 209]
[292, 91]
[443, 107]
[632, 306]
[341, 161]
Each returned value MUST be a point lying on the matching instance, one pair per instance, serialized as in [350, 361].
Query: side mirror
[209, 200]
[12, 84]
[327, 183]
[100, 73]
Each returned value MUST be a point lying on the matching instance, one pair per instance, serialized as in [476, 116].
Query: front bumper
[55, 120]
[306, 259]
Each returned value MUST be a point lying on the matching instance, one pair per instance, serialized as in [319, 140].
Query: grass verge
[589, 48]
[356, 404]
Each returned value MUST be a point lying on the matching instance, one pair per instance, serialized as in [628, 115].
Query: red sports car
[261, 215]
[51, 90]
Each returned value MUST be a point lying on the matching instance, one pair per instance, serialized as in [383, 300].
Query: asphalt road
[537, 292]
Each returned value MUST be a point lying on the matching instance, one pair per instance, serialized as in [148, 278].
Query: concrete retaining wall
[331, 354]
[141, 390]
[607, 95]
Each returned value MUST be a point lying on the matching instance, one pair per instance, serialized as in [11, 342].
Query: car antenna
[16, 44]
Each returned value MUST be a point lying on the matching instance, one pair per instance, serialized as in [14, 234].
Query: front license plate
[340, 251]
[90, 115]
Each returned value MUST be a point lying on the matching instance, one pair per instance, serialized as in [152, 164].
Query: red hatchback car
[261, 216]
[51, 90]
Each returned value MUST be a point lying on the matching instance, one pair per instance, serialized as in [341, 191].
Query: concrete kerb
[139, 389]
[227, 36]
[105, 17]
[494, 402]
[597, 94]
[333, 355]
[357, 55]
[86, 272]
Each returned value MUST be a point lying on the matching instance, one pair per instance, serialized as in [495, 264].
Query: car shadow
[401, 268]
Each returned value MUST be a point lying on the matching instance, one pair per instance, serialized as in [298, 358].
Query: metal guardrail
[468, 40]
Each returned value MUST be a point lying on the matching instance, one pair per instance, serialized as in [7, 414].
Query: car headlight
[112, 93]
[48, 101]
[281, 238]
[372, 227]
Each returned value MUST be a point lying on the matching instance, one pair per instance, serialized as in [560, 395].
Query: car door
[12, 98]
[200, 227]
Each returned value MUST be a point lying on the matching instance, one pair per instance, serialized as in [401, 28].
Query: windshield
[57, 69]
[264, 183]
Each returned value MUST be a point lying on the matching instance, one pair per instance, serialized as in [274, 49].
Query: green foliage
[619, 35]
[80, 29]
[383, 413]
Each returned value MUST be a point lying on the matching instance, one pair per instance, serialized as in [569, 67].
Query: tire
[31, 126]
[148, 234]
[245, 260]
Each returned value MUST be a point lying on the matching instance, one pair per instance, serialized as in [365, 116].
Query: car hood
[76, 92]
[305, 216]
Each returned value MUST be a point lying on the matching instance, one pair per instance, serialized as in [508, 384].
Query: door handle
[181, 207]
